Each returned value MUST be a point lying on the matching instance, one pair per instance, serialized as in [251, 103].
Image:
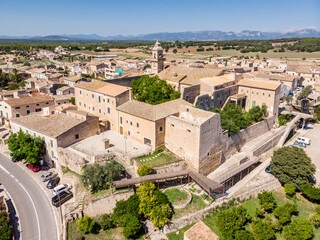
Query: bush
[283, 119]
[283, 213]
[289, 189]
[315, 220]
[85, 224]
[267, 201]
[263, 230]
[5, 227]
[311, 192]
[292, 165]
[299, 229]
[106, 221]
[144, 170]
[132, 227]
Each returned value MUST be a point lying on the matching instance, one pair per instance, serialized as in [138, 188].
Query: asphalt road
[37, 219]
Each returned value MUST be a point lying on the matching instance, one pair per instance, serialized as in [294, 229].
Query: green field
[155, 160]
[196, 205]
[176, 196]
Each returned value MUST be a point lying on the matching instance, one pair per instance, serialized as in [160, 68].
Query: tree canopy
[263, 229]
[100, 177]
[267, 201]
[153, 90]
[292, 165]
[299, 229]
[5, 227]
[144, 170]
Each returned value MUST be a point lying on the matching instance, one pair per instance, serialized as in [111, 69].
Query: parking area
[313, 150]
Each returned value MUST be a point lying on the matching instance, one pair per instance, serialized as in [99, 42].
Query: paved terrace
[207, 184]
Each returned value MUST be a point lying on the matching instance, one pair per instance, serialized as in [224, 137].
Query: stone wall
[190, 93]
[126, 81]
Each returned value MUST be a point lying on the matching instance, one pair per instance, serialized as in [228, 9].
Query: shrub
[106, 221]
[267, 201]
[144, 170]
[132, 227]
[299, 229]
[311, 192]
[85, 224]
[315, 220]
[283, 213]
[263, 230]
[5, 227]
[289, 189]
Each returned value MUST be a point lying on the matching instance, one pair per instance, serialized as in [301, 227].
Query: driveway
[37, 217]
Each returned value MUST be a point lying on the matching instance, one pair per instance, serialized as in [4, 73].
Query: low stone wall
[182, 190]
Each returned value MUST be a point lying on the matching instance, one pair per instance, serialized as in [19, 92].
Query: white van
[304, 140]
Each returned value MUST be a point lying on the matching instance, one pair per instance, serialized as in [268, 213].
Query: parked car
[13, 159]
[268, 169]
[61, 188]
[61, 198]
[306, 141]
[299, 144]
[53, 182]
[47, 176]
[34, 167]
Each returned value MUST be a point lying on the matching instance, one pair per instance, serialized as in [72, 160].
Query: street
[37, 218]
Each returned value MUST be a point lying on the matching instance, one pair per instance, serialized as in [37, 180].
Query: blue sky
[106, 17]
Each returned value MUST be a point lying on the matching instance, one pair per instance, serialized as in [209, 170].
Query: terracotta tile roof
[28, 100]
[259, 84]
[106, 88]
[200, 231]
[152, 112]
[53, 126]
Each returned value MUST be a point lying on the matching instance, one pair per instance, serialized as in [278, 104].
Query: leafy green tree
[144, 170]
[106, 221]
[289, 189]
[263, 230]
[243, 235]
[73, 100]
[161, 215]
[311, 192]
[5, 227]
[315, 220]
[146, 66]
[132, 227]
[100, 178]
[85, 224]
[288, 99]
[317, 112]
[267, 201]
[292, 165]
[175, 51]
[305, 92]
[153, 90]
[231, 221]
[299, 229]
[257, 113]
[126, 208]
[284, 212]
[147, 198]
[283, 119]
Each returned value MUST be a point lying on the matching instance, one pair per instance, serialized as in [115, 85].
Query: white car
[60, 188]
[306, 141]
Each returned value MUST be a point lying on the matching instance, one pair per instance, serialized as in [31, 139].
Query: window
[76, 136]
[188, 130]
[108, 100]
[121, 120]
[131, 123]
[17, 107]
[27, 106]
[85, 105]
[51, 143]
[108, 110]
[38, 109]
[17, 115]
[269, 95]
[160, 129]
[99, 110]
[99, 98]
[80, 92]
[257, 93]
[52, 154]
[92, 108]
[47, 103]
[172, 125]
[37, 104]
[252, 92]
[137, 125]
[129, 133]
[92, 95]
[253, 103]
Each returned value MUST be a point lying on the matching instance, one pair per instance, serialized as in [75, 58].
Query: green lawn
[155, 160]
[176, 196]
[195, 205]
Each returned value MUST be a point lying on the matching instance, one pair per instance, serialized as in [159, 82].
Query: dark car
[61, 198]
[53, 182]
[33, 167]
[14, 159]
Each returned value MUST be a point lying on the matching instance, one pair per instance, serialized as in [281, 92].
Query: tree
[267, 201]
[161, 215]
[231, 221]
[73, 100]
[283, 213]
[299, 229]
[315, 220]
[305, 92]
[146, 66]
[106, 221]
[289, 189]
[175, 51]
[99, 178]
[153, 90]
[144, 170]
[124, 209]
[311, 192]
[147, 199]
[288, 99]
[283, 119]
[292, 165]
[5, 227]
[257, 113]
[263, 230]
[85, 224]
[243, 235]
[132, 227]
[317, 112]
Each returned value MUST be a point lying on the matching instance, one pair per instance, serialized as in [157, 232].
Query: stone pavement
[154, 233]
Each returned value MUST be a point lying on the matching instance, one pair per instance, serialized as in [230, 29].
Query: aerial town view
[178, 120]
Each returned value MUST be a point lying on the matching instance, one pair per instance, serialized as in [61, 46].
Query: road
[37, 219]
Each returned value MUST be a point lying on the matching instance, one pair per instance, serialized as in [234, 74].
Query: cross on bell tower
[157, 58]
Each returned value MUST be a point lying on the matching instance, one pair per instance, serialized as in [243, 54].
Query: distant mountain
[183, 36]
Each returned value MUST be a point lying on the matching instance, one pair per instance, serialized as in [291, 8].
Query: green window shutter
[51, 143]
[17, 115]
[52, 154]
[253, 103]
[34, 135]
[27, 132]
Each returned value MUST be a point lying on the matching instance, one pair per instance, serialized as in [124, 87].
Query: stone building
[60, 130]
[102, 99]
[259, 93]
[157, 58]
[196, 136]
